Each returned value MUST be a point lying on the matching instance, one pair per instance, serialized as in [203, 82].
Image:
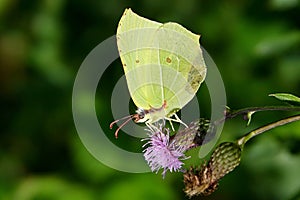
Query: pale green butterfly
[163, 65]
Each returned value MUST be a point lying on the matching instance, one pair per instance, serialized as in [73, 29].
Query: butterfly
[163, 65]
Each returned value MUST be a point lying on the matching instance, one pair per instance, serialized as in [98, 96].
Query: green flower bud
[204, 180]
[224, 159]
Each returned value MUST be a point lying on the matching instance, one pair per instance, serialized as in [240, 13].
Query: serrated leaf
[289, 98]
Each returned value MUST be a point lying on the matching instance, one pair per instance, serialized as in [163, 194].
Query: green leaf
[289, 98]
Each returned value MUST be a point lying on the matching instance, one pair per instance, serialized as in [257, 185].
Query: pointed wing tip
[127, 11]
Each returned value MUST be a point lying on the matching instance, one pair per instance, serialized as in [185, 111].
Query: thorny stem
[263, 129]
[233, 114]
[252, 110]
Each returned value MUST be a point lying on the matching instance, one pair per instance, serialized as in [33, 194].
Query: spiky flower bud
[224, 159]
[197, 181]
[196, 134]
[205, 133]
[204, 180]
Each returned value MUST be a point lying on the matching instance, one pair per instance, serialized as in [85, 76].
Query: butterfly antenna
[128, 118]
[123, 124]
[114, 122]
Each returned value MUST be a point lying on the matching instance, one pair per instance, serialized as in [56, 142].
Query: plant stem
[252, 110]
[233, 114]
[263, 129]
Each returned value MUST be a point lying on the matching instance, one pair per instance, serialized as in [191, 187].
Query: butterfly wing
[138, 48]
[182, 63]
[162, 62]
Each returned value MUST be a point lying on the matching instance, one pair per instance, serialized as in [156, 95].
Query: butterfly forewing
[162, 62]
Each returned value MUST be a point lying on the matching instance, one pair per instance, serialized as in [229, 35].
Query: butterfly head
[141, 115]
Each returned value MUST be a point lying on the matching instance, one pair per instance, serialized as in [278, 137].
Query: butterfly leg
[171, 125]
[179, 120]
[152, 126]
[175, 120]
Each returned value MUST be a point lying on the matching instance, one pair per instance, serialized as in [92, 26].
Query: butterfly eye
[141, 115]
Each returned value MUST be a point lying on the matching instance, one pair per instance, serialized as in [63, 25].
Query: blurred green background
[255, 44]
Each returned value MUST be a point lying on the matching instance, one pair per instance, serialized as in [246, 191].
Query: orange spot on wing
[168, 60]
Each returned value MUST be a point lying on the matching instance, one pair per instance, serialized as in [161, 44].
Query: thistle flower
[160, 153]
[165, 152]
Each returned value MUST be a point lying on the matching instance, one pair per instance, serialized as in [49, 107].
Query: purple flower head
[161, 153]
